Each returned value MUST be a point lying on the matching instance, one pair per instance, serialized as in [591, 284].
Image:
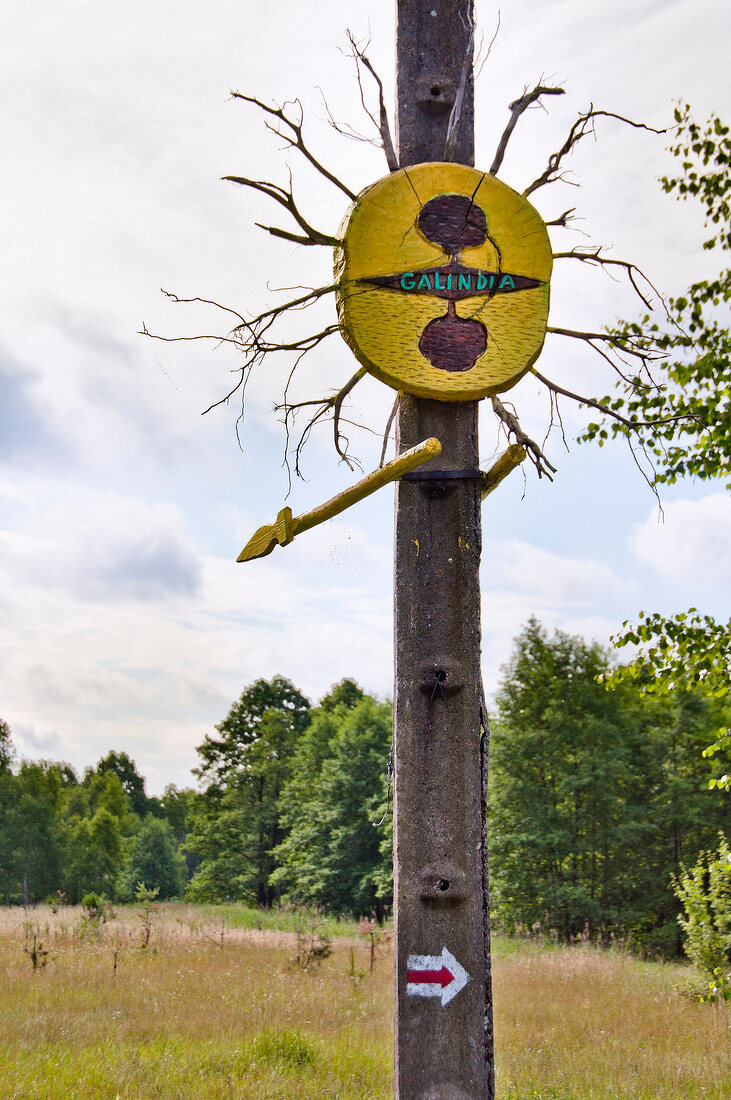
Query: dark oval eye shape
[453, 222]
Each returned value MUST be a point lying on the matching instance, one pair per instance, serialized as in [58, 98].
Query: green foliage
[93, 854]
[679, 653]
[7, 752]
[97, 911]
[63, 839]
[683, 418]
[155, 859]
[30, 840]
[236, 824]
[704, 891]
[332, 854]
[146, 900]
[227, 756]
[288, 1047]
[133, 785]
[345, 694]
[580, 777]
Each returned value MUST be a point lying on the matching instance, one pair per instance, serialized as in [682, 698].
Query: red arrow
[433, 977]
[439, 976]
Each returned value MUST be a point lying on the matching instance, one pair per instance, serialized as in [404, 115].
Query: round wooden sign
[443, 282]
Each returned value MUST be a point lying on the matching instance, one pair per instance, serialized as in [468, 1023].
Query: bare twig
[293, 136]
[563, 219]
[285, 198]
[584, 125]
[631, 425]
[594, 256]
[517, 107]
[481, 57]
[514, 430]
[387, 429]
[381, 124]
[621, 345]
[324, 405]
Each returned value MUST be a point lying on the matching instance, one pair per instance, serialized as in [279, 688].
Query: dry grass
[203, 1015]
[580, 1024]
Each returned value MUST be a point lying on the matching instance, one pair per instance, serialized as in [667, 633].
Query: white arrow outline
[446, 993]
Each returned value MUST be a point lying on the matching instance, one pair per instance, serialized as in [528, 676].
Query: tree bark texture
[444, 1051]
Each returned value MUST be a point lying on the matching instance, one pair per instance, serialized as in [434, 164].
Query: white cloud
[122, 623]
[538, 575]
[691, 543]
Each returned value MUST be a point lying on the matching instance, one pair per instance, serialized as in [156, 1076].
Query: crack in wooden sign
[393, 285]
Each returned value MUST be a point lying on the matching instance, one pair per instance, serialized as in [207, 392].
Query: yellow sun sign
[443, 282]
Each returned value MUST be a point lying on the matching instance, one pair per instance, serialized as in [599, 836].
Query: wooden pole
[444, 1047]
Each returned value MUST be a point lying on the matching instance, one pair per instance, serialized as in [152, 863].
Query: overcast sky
[125, 622]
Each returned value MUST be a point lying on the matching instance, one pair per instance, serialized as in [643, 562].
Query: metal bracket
[443, 475]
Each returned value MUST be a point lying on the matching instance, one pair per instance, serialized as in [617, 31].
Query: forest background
[599, 797]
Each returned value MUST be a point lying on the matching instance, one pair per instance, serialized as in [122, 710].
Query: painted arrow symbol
[435, 976]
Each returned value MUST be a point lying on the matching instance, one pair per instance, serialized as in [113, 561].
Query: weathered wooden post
[442, 286]
[444, 1044]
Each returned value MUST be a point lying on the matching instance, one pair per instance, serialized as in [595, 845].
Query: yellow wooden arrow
[286, 526]
[505, 465]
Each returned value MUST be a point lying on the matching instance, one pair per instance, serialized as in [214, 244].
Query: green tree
[596, 796]
[98, 828]
[332, 855]
[245, 769]
[155, 860]
[7, 752]
[226, 756]
[93, 854]
[32, 835]
[176, 806]
[133, 784]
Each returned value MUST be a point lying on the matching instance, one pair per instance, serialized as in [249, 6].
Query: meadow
[216, 1006]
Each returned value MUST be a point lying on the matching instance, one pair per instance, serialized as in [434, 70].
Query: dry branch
[621, 346]
[593, 255]
[516, 433]
[631, 425]
[455, 116]
[294, 136]
[324, 405]
[517, 107]
[285, 198]
[584, 125]
[381, 123]
[387, 429]
[563, 219]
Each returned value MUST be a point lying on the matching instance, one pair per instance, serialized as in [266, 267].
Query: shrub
[704, 891]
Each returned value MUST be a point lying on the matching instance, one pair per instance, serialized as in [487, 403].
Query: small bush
[704, 891]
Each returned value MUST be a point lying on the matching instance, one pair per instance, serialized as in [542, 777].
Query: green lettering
[437, 284]
[408, 282]
[424, 283]
[465, 282]
[481, 280]
[507, 280]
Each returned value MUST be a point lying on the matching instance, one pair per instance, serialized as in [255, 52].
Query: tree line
[599, 797]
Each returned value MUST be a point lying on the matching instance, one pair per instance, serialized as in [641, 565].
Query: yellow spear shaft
[285, 527]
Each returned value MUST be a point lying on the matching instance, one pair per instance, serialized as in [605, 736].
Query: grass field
[215, 1008]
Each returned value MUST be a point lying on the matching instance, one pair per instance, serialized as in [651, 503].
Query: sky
[125, 622]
